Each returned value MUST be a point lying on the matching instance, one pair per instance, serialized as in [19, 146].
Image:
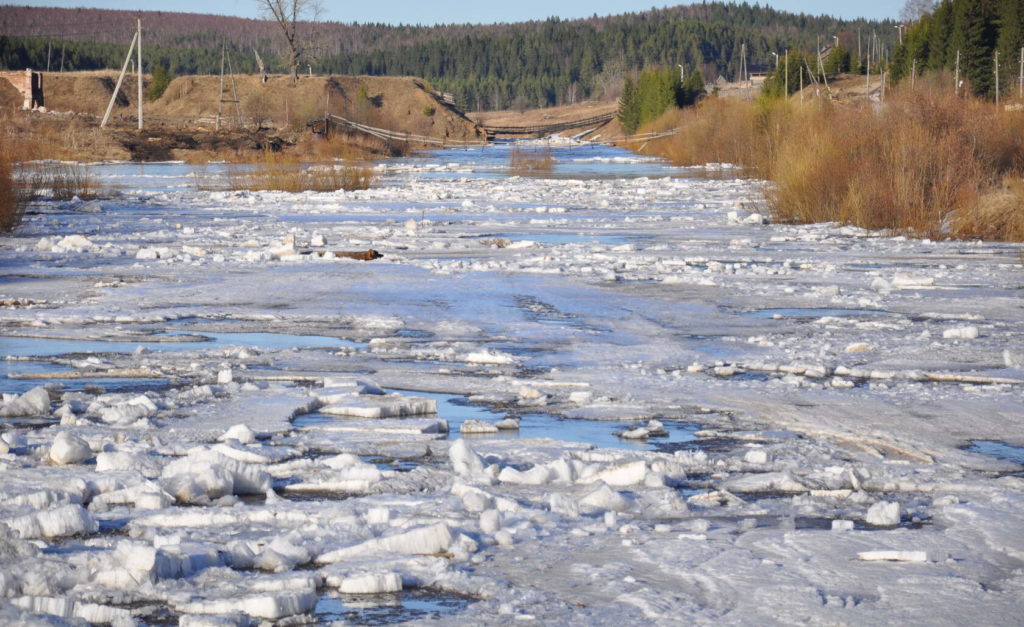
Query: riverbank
[923, 163]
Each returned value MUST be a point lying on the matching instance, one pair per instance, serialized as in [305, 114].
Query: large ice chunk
[68, 520]
[371, 583]
[603, 498]
[626, 474]
[32, 403]
[465, 461]
[377, 406]
[205, 475]
[884, 514]
[68, 448]
[425, 540]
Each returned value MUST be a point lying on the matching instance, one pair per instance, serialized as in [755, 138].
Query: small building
[30, 85]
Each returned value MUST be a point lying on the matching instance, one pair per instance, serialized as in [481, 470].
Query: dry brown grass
[522, 160]
[997, 215]
[923, 163]
[287, 173]
[13, 200]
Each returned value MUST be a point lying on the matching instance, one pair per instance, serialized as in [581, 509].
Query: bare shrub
[925, 162]
[13, 199]
[531, 160]
[286, 173]
[997, 215]
[61, 181]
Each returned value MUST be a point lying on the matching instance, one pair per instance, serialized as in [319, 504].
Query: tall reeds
[924, 162]
[287, 173]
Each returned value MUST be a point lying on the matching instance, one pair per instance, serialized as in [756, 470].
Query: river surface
[606, 392]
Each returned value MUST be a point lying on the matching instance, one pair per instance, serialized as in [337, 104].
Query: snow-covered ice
[205, 421]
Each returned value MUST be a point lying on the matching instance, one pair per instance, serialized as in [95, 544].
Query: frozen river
[610, 393]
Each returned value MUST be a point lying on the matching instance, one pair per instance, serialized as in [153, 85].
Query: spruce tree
[629, 113]
[1010, 21]
[691, 90]
[940, 55]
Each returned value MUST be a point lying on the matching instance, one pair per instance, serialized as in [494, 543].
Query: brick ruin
[29, 84]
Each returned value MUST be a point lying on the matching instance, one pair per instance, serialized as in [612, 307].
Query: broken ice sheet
[222, 493]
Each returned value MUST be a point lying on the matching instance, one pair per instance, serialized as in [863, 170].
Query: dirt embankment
[195, 116]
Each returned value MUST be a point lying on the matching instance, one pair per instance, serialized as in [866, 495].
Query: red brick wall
[29, 83]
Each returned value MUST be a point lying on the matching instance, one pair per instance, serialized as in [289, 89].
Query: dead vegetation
[530, 160]
[12, 198]
[29, 169]
[282, 172]
[924, 162]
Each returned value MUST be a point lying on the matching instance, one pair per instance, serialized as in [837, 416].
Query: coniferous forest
[537, 63]
[967, 34]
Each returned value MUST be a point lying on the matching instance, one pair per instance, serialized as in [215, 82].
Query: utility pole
[913, 74]
[743, 63]
[787, 69]
[900, 28]
[263, 68]
[120, 80]
[1020, 93]
[867, 76]
[956, 75]
[220, 102]
[224, 58]
[997, 78]
[49, 45]
[139, 52]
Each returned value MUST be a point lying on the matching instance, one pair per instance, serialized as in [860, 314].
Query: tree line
[966, 35]
[537, 63]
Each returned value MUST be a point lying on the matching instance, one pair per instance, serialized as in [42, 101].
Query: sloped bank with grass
[924, 162]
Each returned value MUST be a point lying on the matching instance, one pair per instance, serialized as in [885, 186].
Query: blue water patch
[166, 342]
[813, 313]
[1000, 450]
[388, 608]
[603, 434]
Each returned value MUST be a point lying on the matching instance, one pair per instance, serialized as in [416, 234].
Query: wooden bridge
[549, 129]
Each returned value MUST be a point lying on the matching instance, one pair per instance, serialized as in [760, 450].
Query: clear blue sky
[448, 11]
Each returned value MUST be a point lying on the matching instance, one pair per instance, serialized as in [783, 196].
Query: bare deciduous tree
[914, 9]
[289, 14]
